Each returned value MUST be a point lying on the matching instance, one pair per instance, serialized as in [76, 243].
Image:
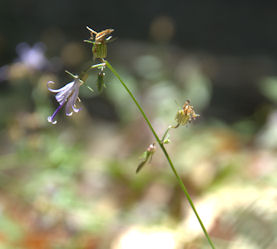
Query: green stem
[165, 153]
[166, 132]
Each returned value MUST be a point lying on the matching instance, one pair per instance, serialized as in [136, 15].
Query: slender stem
[166, 132]
[165, 153]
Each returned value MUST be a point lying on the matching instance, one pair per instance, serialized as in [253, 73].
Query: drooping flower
[68, 96]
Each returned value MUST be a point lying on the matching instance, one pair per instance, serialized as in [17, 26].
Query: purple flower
[32, 57]
[67, 95]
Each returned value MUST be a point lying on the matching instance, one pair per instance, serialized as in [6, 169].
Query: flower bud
[166, 141]
[100, 81]
[147, 156]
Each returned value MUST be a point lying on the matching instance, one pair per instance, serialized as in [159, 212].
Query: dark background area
[221, 27]
[242, 30]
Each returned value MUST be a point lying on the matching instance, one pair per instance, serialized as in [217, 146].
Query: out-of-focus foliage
[73, 185]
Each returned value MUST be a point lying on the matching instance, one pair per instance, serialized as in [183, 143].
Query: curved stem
[165, 153]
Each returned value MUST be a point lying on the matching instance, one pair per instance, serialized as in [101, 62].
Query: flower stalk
[161, 144]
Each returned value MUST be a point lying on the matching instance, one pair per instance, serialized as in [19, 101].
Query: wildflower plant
[68, 96]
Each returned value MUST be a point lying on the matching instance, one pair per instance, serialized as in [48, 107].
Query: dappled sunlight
[99, 178]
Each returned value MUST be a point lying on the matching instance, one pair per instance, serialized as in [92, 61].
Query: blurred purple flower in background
[29, 59]
[69, 93]
[32, 57]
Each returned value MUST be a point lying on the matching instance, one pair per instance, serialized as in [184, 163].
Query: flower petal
[64, 93]
[75, 109]
[68, 110]
[73, 100]
[51, 118]
[50, 89]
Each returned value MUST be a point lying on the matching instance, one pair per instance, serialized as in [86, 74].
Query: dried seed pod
[99, 48]
[186, 115]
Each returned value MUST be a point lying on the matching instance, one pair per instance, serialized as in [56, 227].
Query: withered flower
[186, 115]
[99, 39]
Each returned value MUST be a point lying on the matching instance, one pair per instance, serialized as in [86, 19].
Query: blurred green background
[73, 185]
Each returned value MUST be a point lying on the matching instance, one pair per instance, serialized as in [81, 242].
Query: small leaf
[140, 166]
